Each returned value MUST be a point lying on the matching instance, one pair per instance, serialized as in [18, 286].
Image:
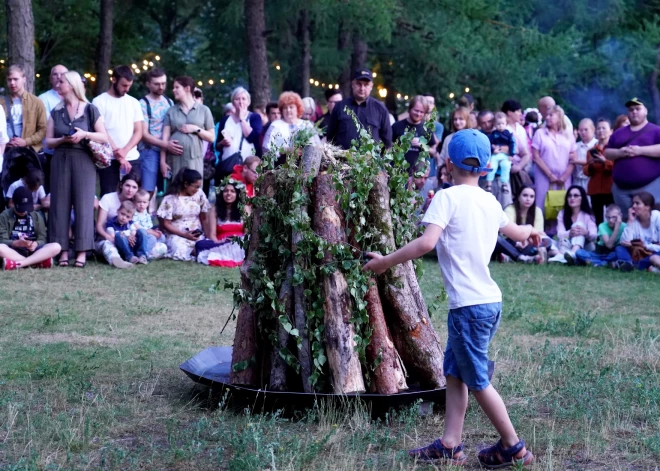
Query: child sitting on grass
[466, 220]
[156, 247]
[33, 181]
[130, 241]
[609, 235]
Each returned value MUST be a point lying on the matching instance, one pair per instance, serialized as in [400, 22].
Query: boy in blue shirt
[464, 222]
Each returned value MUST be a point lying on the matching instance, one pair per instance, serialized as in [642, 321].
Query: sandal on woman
[63, 263]
[437, 451]
[79, 264]
[496, 457]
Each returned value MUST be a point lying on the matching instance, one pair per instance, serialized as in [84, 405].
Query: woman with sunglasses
[576, 226]
[73, 173]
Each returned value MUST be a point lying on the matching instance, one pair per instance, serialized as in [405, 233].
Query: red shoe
[48, 263]
[9, 265]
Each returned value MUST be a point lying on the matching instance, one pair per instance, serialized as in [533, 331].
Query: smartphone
[196, 233]
[72, 132]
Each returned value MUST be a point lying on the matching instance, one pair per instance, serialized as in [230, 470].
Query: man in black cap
[635, 151]
[23, 235]
[370, 112]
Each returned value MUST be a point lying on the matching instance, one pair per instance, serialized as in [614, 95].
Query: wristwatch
[198, 131]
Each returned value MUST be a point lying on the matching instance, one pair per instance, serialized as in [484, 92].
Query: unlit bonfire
[309, 318]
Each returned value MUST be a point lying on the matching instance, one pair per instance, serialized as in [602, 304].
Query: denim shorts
[470, 330]
[149, 167]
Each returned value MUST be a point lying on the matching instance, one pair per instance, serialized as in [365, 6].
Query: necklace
[71, 120]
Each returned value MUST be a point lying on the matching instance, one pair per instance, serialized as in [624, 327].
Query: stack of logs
[403, 344]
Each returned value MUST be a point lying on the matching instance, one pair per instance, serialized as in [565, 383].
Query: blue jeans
[149, 166]
[470, 330]
[124, 248]
[596, 259]
[623, 255]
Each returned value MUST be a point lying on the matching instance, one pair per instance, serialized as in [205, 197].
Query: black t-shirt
[372, 115]
[23, 227]
[399, 129]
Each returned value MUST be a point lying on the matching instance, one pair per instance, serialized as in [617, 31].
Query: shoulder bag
[101, 152]
[226, 167]
[554, 202]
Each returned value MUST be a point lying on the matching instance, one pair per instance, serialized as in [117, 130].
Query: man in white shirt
[51, 99]
[548, 102]
[123, 121]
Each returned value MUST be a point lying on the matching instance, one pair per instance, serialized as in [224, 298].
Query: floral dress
[183, 212]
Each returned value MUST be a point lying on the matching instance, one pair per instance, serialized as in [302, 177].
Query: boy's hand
[376, 263]
[132, 240]
[535, 238]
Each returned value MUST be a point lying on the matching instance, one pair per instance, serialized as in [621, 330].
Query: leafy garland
[286, 212]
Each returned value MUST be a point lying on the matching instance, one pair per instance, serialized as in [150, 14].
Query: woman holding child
[108, 207]
[73, 173]
[182, 214]
[640, 241]
[224, 223]
[552, 152]
[576, 226]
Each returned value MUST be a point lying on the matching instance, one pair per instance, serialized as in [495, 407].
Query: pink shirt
[586, 219]
[554, 149]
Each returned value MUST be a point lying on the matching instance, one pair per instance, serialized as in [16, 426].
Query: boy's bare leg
[456, 400]
[44, 253]
[493, 406]
[10, 254]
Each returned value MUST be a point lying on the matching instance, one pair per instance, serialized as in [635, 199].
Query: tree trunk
[306, 51]
[359, 55]
[244, 358]
[104, 58]
[653, 87]
[311, 162]
[278, 366]
[407, 315]
[388, 377]
[344, 80]
[255, 17]
[344, 363]
[20, 38]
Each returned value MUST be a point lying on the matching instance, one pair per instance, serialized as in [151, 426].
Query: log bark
[104, 58]
[311, 162]
[407, 314]
[245, 349]
[278, 366]
[259, 75]
[20, 38]
[344, 363]
[388, 377]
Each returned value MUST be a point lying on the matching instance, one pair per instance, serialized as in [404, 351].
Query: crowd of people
[591, 192]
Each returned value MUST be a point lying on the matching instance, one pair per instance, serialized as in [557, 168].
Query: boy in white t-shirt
[33, 180]
[464, 221]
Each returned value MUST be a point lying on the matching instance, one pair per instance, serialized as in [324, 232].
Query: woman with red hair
[281, 132]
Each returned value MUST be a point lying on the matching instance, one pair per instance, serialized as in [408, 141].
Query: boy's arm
[418, 247]
[521, 233]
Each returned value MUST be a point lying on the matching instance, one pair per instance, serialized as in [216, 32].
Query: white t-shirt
[110, 202]
[119, 115]
[521, 139]
[470, 219]
[36, 195]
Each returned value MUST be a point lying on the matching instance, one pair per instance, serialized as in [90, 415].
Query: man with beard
[154, 108]
[123, 121]
[26, 114]
[635, 151]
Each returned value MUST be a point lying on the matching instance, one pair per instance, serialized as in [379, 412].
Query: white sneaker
[559, 258]
[654, 269]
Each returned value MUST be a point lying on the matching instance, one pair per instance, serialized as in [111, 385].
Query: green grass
[89, 376]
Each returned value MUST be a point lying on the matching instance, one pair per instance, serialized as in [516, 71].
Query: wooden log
[279, 366]
[388, 377]
[406, 312]
[245, 356]
[344, 363]
[311, 162]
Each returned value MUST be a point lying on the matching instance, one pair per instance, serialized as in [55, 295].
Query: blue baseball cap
[470, 143]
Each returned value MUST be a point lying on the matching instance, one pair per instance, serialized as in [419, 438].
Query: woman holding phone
[182, 214]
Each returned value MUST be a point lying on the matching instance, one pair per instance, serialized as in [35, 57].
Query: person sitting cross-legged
[640, 242]
[576, 226]
[609, 235]
[23, 235]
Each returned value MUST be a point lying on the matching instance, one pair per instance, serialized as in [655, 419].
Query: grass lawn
[89, 376]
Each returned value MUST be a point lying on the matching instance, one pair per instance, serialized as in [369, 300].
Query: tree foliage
[591, 56]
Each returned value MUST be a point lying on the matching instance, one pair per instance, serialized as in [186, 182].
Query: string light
[2, 61]
[316, 83]
[87, 75]
[374, 75]
[451, 96]
[222, 80]
[93, 79]
[277, 67]
[109, 71]
[467, 89]
[323, 85]
[398, 95]
[382, 92]
[405, 97]
[336, 86]
[145, 62]
[38, 75]
[134, 66]
[157, 58]
[200, 83]
[151, 64]
[145, 67]
[311, 81]
[210, 81]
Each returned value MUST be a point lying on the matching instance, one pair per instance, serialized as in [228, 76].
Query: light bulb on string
[145, 67]
[157, 58]
[467, 89]
[451, 96]
[311, 81]
[222, 80]
[382, 92]
[210, 81]
[405, 97]
[398, 95]
[316, 83]
[374, 75]
[145, 62]
[151, 64]
[93, 79]
[200, 83]
[277, 67]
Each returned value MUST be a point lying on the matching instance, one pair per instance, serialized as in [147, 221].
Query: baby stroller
[17, 161]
